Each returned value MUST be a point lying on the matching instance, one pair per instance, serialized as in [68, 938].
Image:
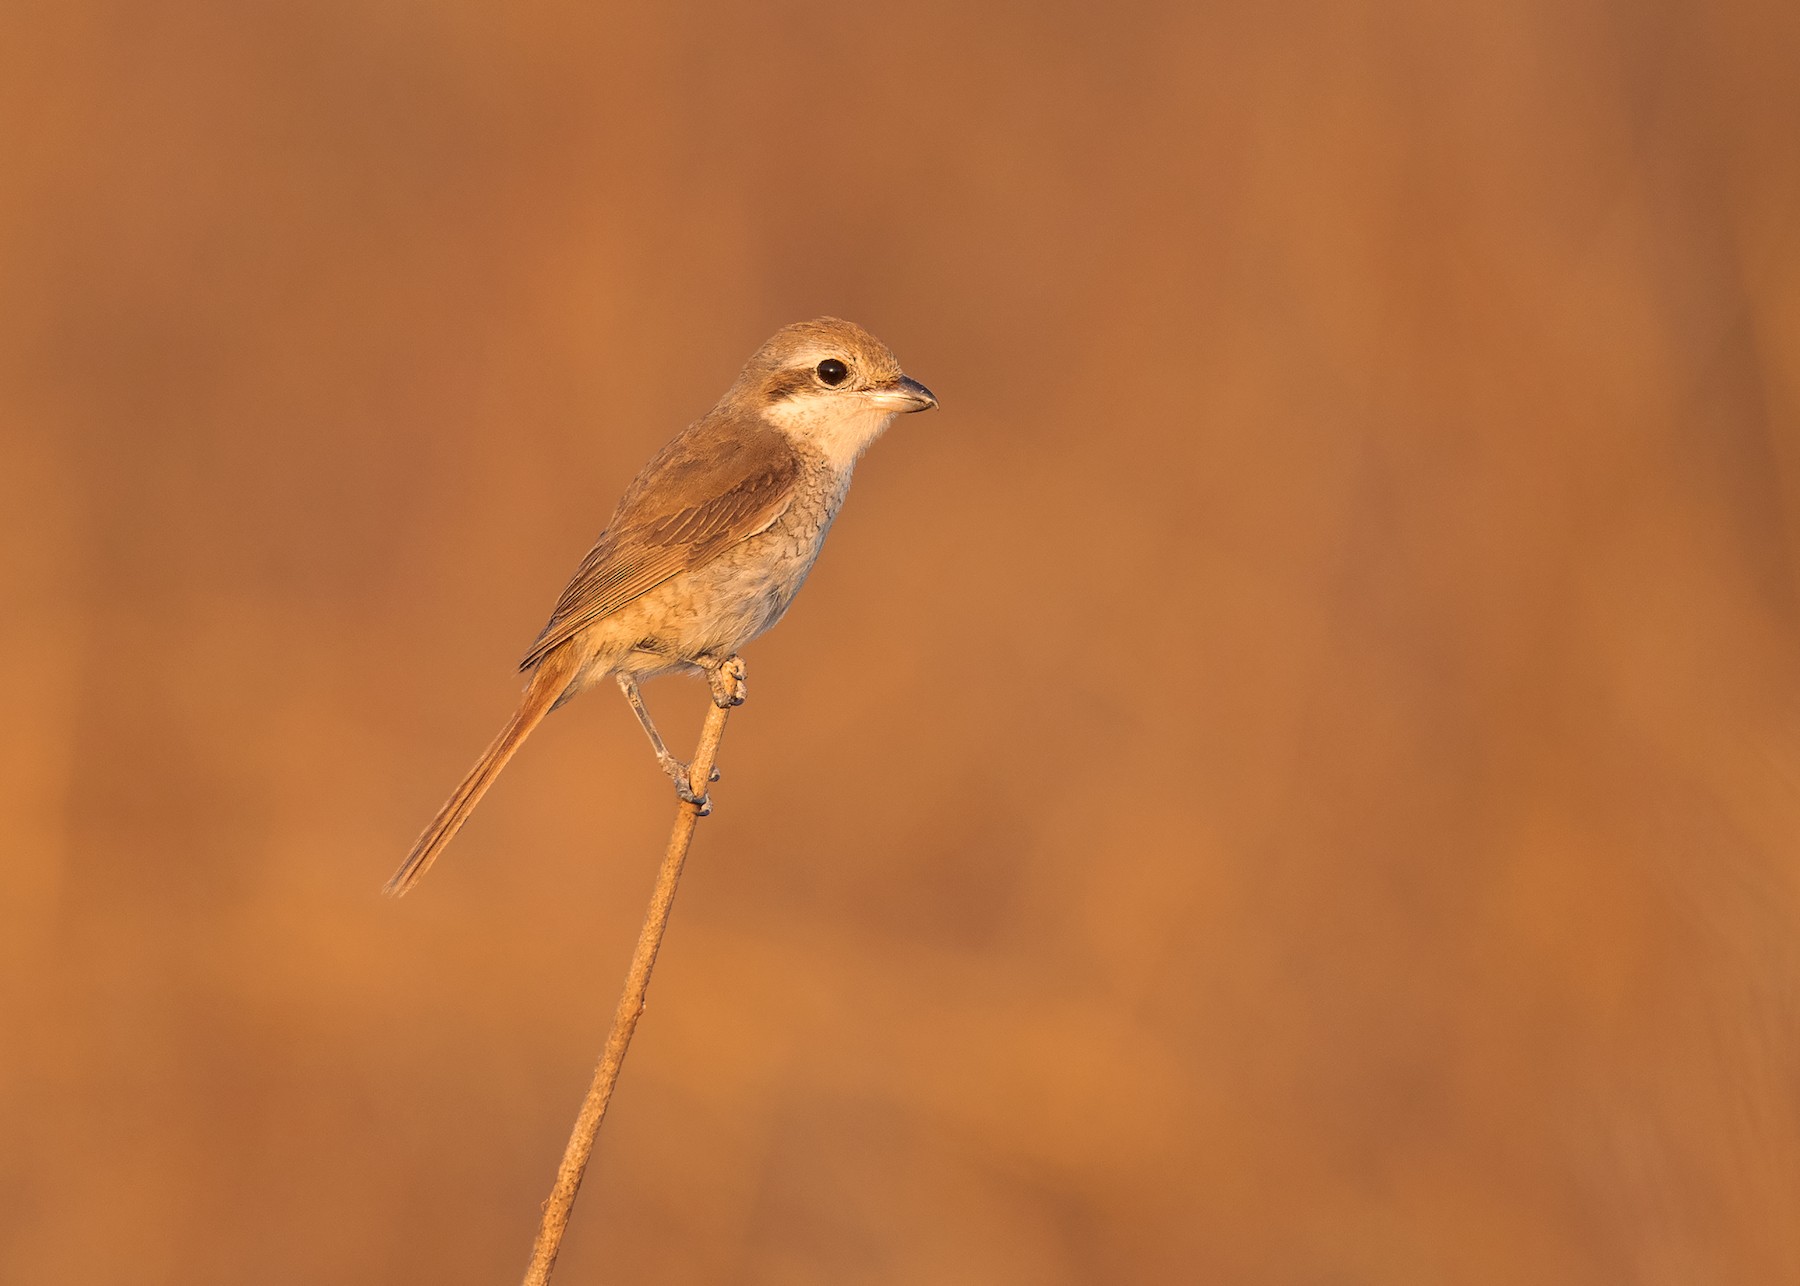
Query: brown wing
[719, 482]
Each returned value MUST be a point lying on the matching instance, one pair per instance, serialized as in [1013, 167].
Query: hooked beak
[903, 395]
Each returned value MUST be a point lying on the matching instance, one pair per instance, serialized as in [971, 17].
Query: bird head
[831, 384]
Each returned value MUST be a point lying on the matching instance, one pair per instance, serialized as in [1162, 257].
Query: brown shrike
[708, 546]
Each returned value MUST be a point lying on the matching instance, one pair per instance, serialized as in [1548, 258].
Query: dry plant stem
[631, 1006]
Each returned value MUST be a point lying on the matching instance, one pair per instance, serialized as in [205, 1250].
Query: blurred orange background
[1291, 776]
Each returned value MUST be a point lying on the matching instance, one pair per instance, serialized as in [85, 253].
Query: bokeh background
[1291, 776]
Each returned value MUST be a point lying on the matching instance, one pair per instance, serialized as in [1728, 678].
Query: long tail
[548, 682]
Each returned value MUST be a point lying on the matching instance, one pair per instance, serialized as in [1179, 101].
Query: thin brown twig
[631, 1006]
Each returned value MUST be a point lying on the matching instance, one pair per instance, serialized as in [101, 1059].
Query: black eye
[833, 372]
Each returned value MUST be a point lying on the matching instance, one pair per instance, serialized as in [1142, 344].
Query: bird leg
[727, 680]
[678, 771]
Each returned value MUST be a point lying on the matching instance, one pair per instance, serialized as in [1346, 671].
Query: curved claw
[679, 774]
[727, 679]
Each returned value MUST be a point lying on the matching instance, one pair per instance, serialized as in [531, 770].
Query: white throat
[839, 428]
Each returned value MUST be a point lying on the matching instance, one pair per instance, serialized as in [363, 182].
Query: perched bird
[709, 545]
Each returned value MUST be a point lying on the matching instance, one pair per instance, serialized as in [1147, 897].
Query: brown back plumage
[721, 480]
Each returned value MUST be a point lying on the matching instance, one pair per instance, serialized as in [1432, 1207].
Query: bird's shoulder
[726, 465]
[718, 482]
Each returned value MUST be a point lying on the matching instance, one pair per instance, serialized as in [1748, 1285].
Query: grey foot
[727, 680]
[679, 774]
